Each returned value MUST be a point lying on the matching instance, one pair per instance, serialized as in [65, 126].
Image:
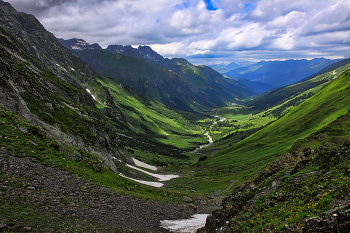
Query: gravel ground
[61, 196]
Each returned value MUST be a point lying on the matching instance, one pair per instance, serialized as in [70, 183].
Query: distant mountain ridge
[260, 87]
[300, 90]
[175, 82]
[274, 73]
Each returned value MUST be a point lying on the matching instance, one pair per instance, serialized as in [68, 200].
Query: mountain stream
[210, 139]
[182, 225]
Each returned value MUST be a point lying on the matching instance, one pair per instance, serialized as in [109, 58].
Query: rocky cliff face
[43, 82]
[78, 44]
[142, 52]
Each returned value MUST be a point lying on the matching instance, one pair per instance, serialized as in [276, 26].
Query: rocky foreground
[43, 199]
[304, 192]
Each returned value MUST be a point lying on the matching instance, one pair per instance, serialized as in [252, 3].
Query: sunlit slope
[140, 117]
[278, 103]
[301, 90]
[190, 91]
[247, 156]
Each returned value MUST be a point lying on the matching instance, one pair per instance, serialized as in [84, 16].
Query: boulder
[186, 199]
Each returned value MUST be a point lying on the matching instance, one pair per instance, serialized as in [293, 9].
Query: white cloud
[171, 49]
[292, 19]
[238, 29]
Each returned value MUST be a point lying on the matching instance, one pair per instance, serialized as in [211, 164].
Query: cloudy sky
[204, 31]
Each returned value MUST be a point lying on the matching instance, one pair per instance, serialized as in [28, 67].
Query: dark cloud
[209, 30]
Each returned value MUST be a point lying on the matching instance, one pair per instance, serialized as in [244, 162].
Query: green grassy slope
[22, 139]
[305, 190]
[54, 101]
[44, 199]
[279, 102]
[208, 82]
[150, 120]
[203, 79]
[301, 89]
[154, 81]
[275, 139]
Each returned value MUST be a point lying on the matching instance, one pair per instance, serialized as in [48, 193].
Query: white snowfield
[160, 177]
[178, 226]
[185, 225]
[144, 165]
[149, 183]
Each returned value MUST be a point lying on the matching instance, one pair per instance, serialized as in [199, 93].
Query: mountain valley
[122, 139]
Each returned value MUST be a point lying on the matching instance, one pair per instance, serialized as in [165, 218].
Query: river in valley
[182, 225]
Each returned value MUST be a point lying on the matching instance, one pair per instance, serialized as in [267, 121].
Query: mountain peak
[7, 6]
[180, 61]
[118, 48]
[143, 52]
[78, 44]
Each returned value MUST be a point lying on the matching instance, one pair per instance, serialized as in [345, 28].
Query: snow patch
[160, 177]
[61, 67]
[165, 133]
[88, 91]
[153, 184]
[185, 225]
[144, 165]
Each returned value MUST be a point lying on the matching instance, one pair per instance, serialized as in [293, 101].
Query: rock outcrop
[78, 44]
[291, 195]
[45, 83]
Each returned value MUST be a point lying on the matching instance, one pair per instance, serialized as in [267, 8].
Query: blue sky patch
[183, 5]
[210, 5]
[248, 7]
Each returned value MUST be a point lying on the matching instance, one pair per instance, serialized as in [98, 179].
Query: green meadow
[247, 155]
